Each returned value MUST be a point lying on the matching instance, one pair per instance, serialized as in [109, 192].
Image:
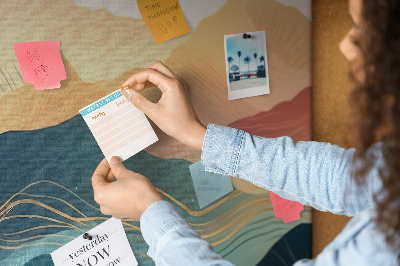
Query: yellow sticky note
[164, 18]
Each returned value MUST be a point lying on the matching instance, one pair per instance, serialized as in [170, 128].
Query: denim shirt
[312, 173]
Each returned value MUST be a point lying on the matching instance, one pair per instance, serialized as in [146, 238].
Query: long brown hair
[376, 106]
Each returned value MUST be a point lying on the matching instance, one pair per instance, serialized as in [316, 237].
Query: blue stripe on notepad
[100, 103]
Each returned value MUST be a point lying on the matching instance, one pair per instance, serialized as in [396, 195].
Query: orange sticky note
[284, 209]
[41, 64]
[164, 18]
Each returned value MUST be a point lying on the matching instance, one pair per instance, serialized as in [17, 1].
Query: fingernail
[115, 160]
[129, 92]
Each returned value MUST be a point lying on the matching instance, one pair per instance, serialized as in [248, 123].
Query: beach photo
[246, 64]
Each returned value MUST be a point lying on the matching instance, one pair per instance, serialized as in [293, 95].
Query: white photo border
[247, 92]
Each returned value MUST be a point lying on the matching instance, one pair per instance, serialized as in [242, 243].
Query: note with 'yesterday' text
[108, 246]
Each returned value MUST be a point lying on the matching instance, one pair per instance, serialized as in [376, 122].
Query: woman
[363, 183]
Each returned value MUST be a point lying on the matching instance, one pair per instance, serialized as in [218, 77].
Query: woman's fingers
[173, 113]
[149, 75]
[100, 174]
[110, 177]
[140, 102]
[142, 86]
[160, 67]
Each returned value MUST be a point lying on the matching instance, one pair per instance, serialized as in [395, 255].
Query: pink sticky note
[41, 64]
[286, 210]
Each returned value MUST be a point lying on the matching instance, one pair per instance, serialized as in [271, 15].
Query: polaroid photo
[246, 64]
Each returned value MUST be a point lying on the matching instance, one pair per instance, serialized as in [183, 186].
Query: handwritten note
[284, 209]
[41, 64]
[164, 18]
[108, 246]
[118, 126]
[209, 186]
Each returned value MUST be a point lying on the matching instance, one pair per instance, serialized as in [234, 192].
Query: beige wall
[331, 90]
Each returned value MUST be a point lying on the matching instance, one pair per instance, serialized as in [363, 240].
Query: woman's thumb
[116, 166]
[138, 100]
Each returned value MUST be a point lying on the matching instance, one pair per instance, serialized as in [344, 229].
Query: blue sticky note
[209, 186]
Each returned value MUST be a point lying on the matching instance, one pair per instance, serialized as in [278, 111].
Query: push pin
[127, 87]
[87, 236]
[246, 36]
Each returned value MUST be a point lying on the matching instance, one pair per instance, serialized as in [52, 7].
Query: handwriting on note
[164, 18]
[209, 186]
[41, 63]
[284, 209]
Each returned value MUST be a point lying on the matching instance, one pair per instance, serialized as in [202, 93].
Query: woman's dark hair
[376, 107]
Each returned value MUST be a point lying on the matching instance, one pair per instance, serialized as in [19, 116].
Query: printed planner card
[118, 126]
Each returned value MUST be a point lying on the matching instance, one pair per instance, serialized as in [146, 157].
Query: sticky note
[164, 18]
[41, 64]
[108, 246]
[118, 126]
[284, 209]
[209, 186]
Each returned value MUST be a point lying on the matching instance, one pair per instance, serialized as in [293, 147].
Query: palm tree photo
[234, 68]
[262, 59]
[255, 60]
[230, 60]
[239, 53]
[247, 60]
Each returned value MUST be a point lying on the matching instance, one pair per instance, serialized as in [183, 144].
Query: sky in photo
[248, 47]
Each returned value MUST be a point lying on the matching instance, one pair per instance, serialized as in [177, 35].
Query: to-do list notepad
[118, 126]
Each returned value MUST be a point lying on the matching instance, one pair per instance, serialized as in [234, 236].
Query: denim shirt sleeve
[312, 173]
[172, 241]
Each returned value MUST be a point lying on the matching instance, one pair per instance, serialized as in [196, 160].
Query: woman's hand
[127, 197]
[173, 113]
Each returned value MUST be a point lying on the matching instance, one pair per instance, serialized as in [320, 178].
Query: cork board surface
[331, 89]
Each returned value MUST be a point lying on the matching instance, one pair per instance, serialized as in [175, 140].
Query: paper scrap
[109, 246]
[41, 64]
[284, 209]
[164, 18]
[118, 126]
[209, 186]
